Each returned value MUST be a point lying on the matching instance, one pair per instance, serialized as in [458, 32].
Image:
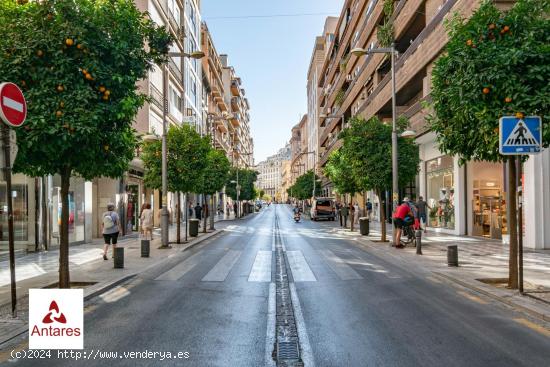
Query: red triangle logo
[48, 318]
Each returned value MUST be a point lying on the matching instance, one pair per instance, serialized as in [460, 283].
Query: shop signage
[13, 107]
[520, 135]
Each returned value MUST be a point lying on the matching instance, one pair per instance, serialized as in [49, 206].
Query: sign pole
[7, 176]
[520, 224]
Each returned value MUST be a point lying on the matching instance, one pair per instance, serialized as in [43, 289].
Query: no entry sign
[13, 108]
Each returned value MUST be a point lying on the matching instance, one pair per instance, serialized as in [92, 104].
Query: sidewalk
[39, 270]
[479, 259]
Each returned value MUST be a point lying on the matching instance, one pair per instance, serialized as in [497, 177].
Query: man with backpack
[110, 227]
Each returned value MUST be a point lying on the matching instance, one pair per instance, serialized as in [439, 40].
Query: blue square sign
[520, 135]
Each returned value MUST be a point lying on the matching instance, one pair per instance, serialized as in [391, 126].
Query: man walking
[422, 208]
[369, 209]
[198, 212]
[344, 215]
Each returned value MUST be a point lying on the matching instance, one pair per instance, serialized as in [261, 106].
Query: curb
[530, 311]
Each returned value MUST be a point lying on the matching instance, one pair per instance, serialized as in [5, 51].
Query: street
[216, 302]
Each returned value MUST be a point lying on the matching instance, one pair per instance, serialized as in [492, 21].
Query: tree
[213, 178]
[497, 63]
[246, 180]
[186, 162]
[303, 187]
[367, 149]
[77, 62]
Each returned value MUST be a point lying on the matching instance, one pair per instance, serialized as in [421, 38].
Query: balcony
[235, 119]
[236, 104]
[156, 95]
[221, 125]
[174, 69]
[235, 87]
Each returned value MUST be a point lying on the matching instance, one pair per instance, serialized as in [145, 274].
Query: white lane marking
[220, 271]
[180, 270]
[307, 353]
[339, 266]
[301, 272]
[270, 331]
[261, 269]
[273, 242]
[13, 104]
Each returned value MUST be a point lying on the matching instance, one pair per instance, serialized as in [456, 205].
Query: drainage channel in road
[287, 343]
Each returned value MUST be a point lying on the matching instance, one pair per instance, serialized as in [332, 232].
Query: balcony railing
[174, 68]
[155, 95]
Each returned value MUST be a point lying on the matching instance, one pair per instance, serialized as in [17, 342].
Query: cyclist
[399, 217]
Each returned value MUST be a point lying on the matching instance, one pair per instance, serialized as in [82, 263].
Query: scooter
[297, 217]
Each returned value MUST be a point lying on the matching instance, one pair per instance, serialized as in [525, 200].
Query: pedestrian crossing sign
[520, 135]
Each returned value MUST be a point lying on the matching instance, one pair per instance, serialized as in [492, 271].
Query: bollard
[193, 227]
[145, 248]
[364, 226]
[418, 235]
[118, 257]
[452, 255]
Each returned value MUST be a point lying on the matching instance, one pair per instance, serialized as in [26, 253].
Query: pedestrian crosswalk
[329, 264]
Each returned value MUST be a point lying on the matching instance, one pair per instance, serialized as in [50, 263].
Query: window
[176, 104]
[174, 10]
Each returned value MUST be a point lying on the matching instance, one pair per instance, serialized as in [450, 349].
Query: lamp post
[164, 211]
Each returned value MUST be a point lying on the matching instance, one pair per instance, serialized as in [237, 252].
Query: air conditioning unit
[349, 78]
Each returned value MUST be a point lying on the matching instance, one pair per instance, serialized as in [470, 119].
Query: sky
[272, 56]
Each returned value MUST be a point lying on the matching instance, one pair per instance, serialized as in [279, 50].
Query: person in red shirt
[399, 220]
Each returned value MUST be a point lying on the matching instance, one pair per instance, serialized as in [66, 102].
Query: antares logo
[56, 318]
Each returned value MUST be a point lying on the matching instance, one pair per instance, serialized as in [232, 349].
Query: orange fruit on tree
[89, 77]
[486, 90]
[79, 46]
[492, 26]
[106, 147]
[39, 53]
[469, 42]
[519, 115]
[107, 92]
[508, 99]
[105, 98]
[69, 42]
[102, 89]
[61, 104]
[505, 28]
[60, 88]
[59, 114]
[84, 71]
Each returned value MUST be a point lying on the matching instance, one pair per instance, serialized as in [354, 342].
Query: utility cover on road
[520, 135]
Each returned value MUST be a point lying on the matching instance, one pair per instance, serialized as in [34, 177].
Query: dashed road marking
[220, 271]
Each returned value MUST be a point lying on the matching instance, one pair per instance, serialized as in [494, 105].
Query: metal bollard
[119, 257]
[418, 235]
[452, 255]
[145, 248]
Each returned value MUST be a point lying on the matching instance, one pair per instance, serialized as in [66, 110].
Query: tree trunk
[352, 216]
[178, 218]
[212, 214]
[512, 224]
[45, 214]
[64, 279]
[382, 215]
[205, 212]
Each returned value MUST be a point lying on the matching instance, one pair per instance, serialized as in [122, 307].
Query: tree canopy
[338, 171]
[496, 64]
[303, 187]
[246, 180]
[216, 172]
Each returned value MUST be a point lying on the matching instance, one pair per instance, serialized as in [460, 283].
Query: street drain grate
[287, 345]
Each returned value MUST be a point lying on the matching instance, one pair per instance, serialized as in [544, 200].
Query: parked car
[323, 208]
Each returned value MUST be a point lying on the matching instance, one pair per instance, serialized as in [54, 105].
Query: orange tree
[496, 64]
[77, 62]
[187, 160]
[367, 151]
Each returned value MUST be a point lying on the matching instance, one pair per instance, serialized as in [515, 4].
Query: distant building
[270, 172]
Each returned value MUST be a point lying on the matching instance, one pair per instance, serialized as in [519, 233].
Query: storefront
[487, 199]
[440, 192]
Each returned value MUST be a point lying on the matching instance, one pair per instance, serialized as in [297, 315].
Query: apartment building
[270, 177]
[216, 109]
[286, 181]
[299, 149]
[313, 90]
[467, 199]
[241, 142]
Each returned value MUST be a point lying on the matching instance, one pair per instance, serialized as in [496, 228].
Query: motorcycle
[297, 217]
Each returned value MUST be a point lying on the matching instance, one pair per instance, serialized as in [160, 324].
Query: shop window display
[440, 192]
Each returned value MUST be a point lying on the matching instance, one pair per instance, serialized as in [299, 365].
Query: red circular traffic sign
[13, 107]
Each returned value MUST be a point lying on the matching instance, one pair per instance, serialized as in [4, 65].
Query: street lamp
[164, 211]
[395, 174]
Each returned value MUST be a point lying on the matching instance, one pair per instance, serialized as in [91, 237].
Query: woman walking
[110, 227]
[147, 221]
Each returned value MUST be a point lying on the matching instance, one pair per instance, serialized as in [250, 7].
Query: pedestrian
[401, 212]
[344, 211]
[369, 209]
[198, 212]
[422, 208]
[147, 221]
[338, 212]
[356, 213]
[190, 210]
[110, 227]
[235, 208]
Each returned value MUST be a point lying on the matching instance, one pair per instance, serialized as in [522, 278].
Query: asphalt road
[353, 308]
